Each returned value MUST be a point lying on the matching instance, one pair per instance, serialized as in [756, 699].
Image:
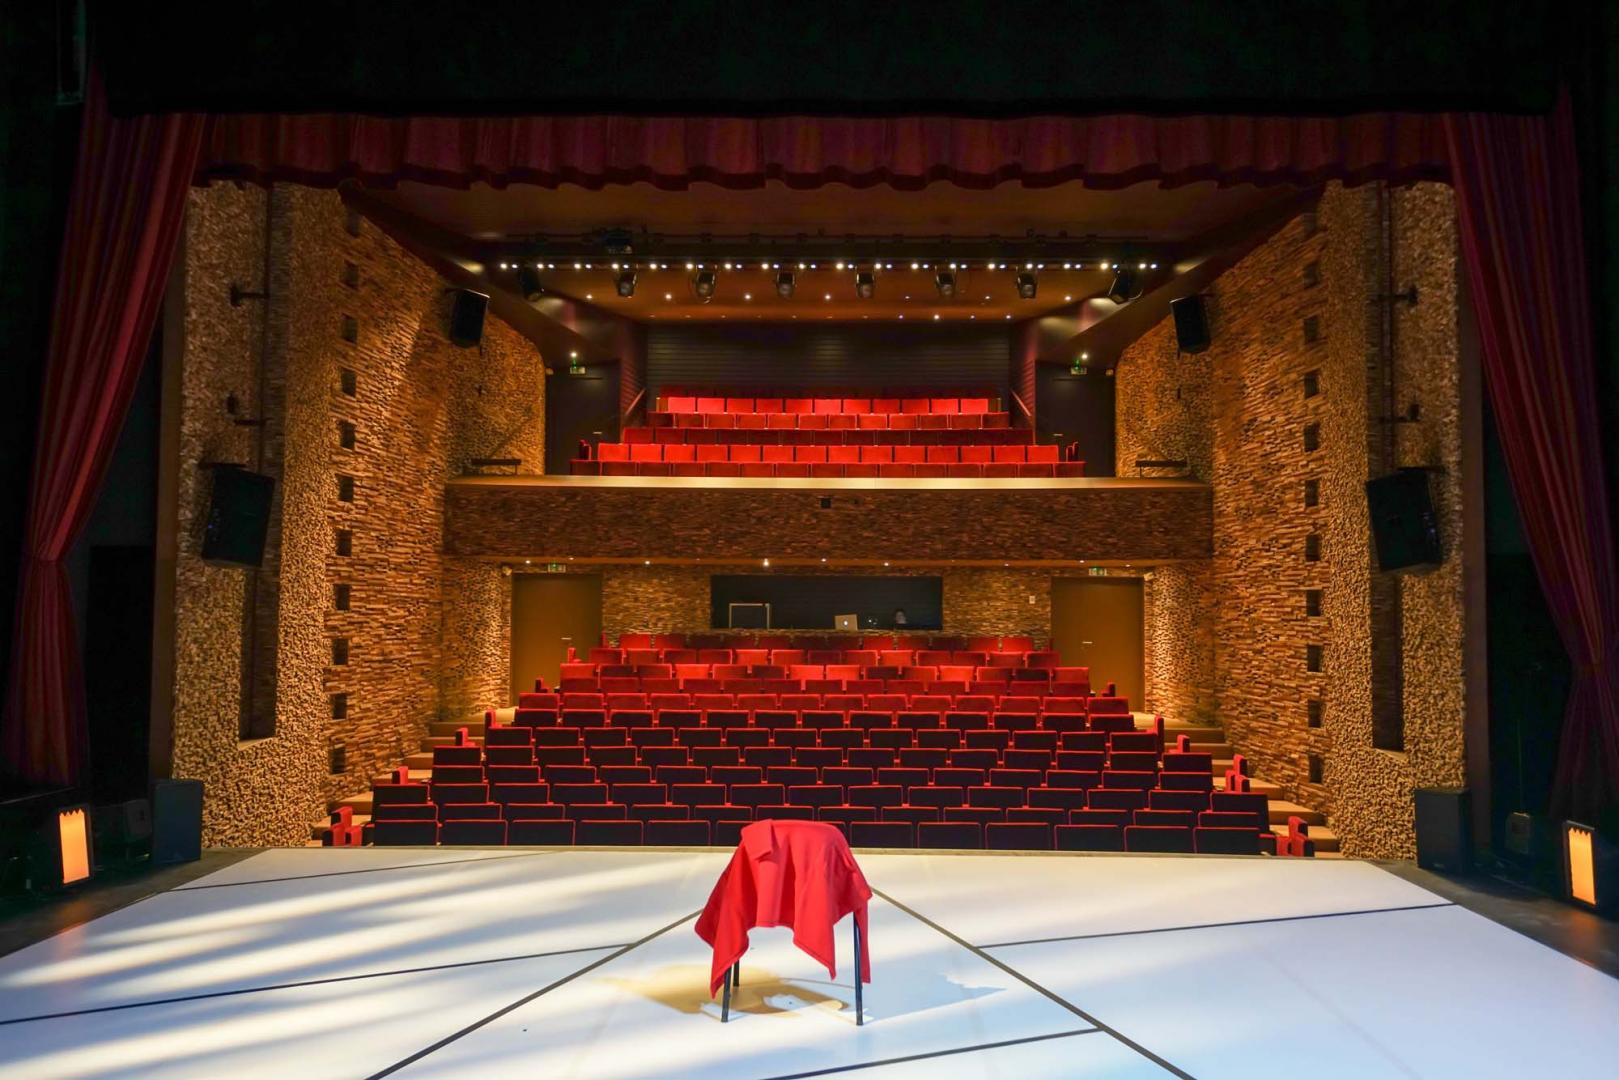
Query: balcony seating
[827, 437]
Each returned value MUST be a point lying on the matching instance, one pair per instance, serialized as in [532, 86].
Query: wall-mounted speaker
[238, 516]
[466, 317]
[1191, 324]
[1404, 525]
[176, 821]
[1444, 829]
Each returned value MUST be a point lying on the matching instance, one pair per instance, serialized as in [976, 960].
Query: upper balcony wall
[741, 518]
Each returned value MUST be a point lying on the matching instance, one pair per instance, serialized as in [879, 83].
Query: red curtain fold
[124, 217]
[808, 152]
[1518, 202]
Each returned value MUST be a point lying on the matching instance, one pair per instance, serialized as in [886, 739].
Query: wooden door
[579, 407]
[549, 613]
[1097, 622]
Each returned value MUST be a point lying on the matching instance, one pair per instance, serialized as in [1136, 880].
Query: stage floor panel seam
[351, 873]
[524, 1000]
[239, 991]
[1216, 926]
[950, 1052]
[1055, 997]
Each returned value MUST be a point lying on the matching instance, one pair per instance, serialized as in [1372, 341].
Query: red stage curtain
[124, 217]
[1518, 199]
[807, 152]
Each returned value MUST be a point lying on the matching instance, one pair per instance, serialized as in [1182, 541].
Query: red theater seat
[1158, 838]
[545, 832]
[1089, 837]
[677, 833]
[882, 834]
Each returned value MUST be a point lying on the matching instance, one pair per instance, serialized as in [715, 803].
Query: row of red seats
[947, 787]
[1079, 705]
[949, 836]
[886, 640]
[805, 422]
[649, 685]
[825, 406]
[852, 663]
[788, 656]
[777, 454]
[834, 436]
[1069, 470]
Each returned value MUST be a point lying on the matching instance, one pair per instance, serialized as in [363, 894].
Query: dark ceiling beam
[1104, 329]
[559, 328]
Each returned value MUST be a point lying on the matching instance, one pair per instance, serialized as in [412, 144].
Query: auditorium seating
[899, 437]
[1034, 761]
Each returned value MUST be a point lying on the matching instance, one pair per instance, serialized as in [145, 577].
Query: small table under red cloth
[799, 874]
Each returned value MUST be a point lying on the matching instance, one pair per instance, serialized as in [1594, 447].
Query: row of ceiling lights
[843, 265]
[705, 280]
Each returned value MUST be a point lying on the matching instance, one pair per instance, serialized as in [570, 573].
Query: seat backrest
[680, 405]
[739, 405]
[828, 406]
[874, 455]
[977, 455]
[913, 406]
[1009, 454]
[746, 452]
[1043, 454]
[778, 454]
[713, 452]
[815, 455]
[710, 404]
[680, 452]
[612, 452]
[948, 405]
[910, 455]
[943, 455]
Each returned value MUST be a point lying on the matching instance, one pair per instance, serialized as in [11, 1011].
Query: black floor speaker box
[1444, 830]
[176, 821]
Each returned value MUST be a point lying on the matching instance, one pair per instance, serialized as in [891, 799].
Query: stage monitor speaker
[1191, 324]
[238, 516]
[1404, 526]
[176, 821]
[466, 318]
[1444, 830]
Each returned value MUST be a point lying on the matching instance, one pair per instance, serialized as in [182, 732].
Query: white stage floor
[438, 962]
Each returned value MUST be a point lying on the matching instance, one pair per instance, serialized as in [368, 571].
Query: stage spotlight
[945, 282]
[1027, 285]
[784, 284]
[528, 281]
[1125, 287]
[703, 284]
[865, 284]
[624, 283]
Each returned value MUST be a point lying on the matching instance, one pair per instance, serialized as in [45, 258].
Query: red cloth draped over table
[124, 217]
[786, 873]
[808, 152]
[1518, 198]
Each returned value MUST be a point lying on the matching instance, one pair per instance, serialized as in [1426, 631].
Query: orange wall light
[73, 832]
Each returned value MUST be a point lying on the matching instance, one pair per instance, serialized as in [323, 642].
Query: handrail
[1026, 411]
[629, 410]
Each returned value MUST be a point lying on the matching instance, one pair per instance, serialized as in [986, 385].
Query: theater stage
[315, 963]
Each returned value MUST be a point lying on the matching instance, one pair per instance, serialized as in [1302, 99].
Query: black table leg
[859, 1005]
[725, 1001]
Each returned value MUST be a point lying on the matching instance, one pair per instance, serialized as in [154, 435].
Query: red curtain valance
[806, 152]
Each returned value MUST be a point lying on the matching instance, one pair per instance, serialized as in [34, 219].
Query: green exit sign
[1098, 571]
[556, 568]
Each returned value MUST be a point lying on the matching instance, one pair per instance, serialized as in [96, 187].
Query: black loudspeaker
[176, 821]
[466, 318]
[1191, 324]
[1445, 830]
[238, 515]
[1404, 526]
